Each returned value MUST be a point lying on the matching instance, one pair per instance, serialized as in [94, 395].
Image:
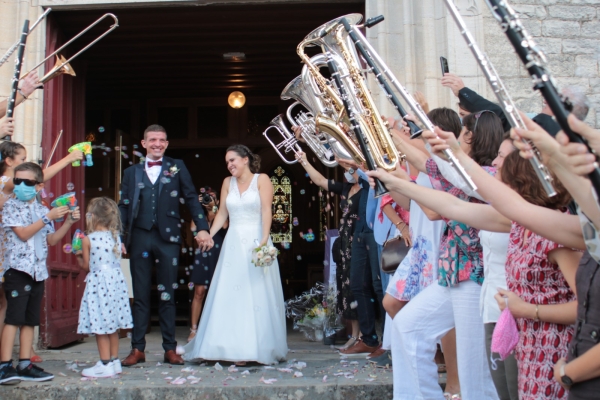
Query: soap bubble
[182, 200]
[299, 258]
[67, 248]
[165, 296]
[197, 155]
[175, 286]
[302, 191]
[135, 146]
[141, 185]
[174, 193]
[14, 293]
[101, 129]
[160, 288]
[285, 245]
[145, 254]
[168, 229]
[126, 201]
[70, 186]
[51, 195]
[174, 261]
[182, 281]
[27, 288]
[295, 221]
[99, 189]
[191, 285]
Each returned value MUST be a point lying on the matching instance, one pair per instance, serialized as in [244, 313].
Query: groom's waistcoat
[146, 216]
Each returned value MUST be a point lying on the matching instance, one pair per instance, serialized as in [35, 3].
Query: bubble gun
[86, 148]
[67, 199]
[76, 243]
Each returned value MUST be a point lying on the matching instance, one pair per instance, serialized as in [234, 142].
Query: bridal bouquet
[263, 256]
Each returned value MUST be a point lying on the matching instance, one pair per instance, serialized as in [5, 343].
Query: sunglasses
[27, 182]
[479, 114]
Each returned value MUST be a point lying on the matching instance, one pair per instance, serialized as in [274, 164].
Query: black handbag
[336, 251]
[393, 252]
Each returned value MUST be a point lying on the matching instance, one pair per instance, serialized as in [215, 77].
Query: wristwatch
[564, 378]
[46, 220]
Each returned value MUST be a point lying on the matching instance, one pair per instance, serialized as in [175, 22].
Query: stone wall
[569, 33]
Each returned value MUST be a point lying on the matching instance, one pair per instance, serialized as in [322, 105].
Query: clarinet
[372, 59]
[10, 107]
[534, 60]
[380, 189]
[504, 99]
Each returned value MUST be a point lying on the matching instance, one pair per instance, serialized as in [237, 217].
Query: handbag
[393, 252]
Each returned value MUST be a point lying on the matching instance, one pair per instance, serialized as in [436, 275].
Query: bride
[243, 319]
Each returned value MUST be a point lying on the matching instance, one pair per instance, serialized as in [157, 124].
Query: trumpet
[15, 46]
[504, 99]
[63, 66]
[289, 144]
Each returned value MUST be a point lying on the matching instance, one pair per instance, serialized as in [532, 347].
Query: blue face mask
[24, 192]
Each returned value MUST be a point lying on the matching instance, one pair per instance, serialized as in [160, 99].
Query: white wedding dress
[244, 317]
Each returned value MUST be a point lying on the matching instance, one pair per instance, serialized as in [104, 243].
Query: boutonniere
[172, 171]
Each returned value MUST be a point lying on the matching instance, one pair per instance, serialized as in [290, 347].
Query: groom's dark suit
[152, 227]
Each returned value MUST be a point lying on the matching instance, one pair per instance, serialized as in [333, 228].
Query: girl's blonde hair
[104, 212]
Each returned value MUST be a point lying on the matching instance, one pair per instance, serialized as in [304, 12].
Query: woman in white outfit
[244, 317]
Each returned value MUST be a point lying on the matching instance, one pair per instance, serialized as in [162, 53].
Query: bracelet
[22, 94]
[537, 312]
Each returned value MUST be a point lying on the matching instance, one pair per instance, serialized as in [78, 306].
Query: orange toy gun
[86, 148]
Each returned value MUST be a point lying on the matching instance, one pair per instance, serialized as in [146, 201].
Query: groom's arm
[188, 192]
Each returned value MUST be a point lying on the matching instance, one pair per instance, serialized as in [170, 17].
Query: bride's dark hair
[244, 151]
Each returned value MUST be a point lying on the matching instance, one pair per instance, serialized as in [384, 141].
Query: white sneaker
[99, 371]
[117, 366]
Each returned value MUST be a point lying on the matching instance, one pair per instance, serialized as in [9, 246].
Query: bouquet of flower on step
[263, 256]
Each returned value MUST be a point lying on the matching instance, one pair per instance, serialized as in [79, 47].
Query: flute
[534, 60]
[504, 99]
[10, 106]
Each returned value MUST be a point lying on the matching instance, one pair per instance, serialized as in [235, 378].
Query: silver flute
[16, 45]
[506, 102]
[373, 57]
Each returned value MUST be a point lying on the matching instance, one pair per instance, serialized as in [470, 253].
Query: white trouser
[386, 343]
[421, 324]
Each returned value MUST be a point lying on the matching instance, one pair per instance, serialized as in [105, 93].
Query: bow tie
[154, 163]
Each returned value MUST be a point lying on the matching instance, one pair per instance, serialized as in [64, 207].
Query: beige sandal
[192, 334]
[351, 342]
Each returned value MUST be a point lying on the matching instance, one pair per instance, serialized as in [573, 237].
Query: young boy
[29, 231]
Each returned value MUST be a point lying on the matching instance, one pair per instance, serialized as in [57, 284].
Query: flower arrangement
[263, 256]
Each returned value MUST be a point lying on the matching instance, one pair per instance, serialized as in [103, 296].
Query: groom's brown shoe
[173, 358]
[134, 357]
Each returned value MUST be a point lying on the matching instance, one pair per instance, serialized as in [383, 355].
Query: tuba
[334, 41]
[302, 89]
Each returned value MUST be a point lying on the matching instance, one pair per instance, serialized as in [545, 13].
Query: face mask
[24, 192]
[349, 177]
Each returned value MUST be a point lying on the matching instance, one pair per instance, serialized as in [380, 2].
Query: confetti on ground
[168, 378]
[218, 367]
[158, 364]
[300, 365]
[245, 372]
[188, 369]
[178, 381]
[193, 380]
[267, 381]
[229, 378]
[325, 379]
[267, 367]
[232, 368]
[298, 374]
[164, 373]
[287, 370]
[353, 362]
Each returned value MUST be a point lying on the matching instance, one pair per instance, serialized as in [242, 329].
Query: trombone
[62, 65]
[289, 142]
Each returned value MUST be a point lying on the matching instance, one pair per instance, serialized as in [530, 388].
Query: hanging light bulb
[236, 99]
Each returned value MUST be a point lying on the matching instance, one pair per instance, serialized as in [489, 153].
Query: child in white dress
[105, 303]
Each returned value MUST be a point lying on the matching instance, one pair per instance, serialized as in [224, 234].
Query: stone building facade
[415, 35]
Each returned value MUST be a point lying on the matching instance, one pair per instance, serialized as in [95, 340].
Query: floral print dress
[345, 299]
[536, 280]
[419, 268]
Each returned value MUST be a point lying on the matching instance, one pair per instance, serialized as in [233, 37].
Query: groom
[150, 196]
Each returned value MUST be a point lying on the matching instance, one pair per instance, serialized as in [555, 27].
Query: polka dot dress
[105, 303]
